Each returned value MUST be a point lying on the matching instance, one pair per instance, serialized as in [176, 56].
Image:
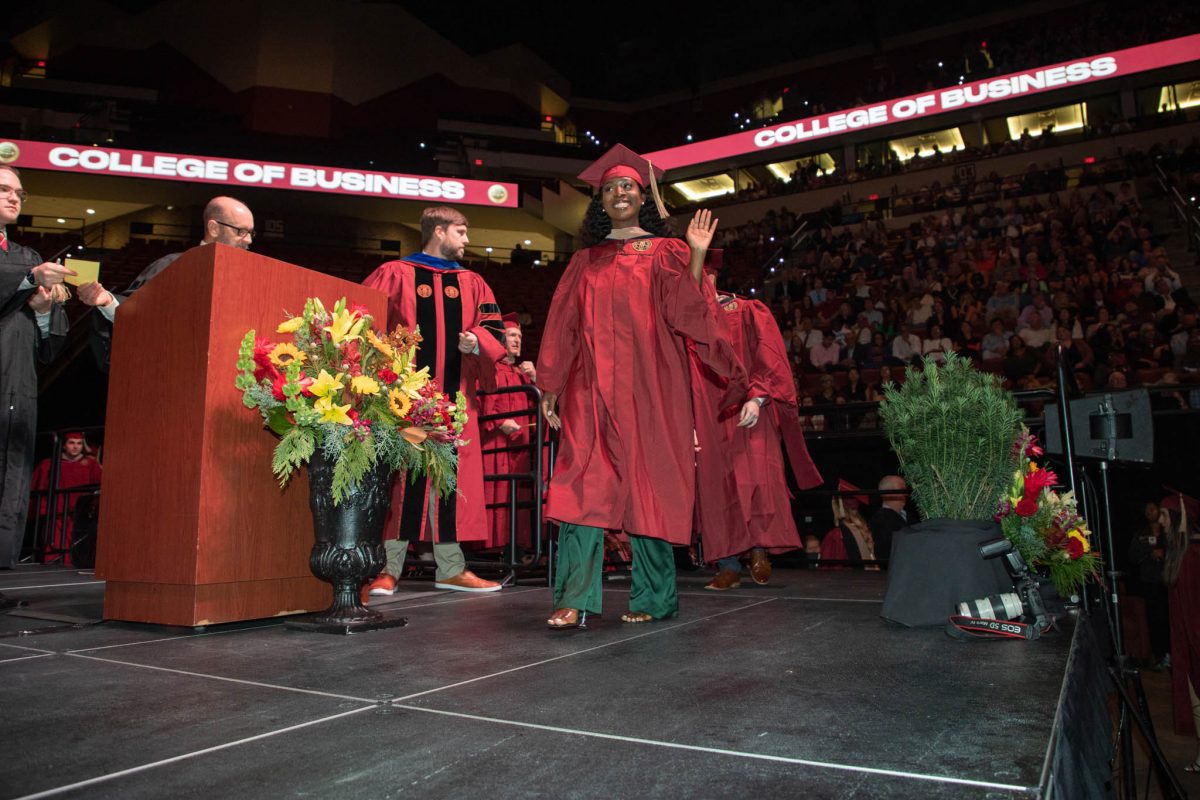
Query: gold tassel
[662, 209]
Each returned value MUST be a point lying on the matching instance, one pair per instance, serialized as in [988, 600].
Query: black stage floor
[796, 689]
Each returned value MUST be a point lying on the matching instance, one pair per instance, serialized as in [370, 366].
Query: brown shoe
[726, 579]
[760, 566]
[467, 581]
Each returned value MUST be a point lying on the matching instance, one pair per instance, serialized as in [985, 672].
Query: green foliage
[952, 428]
[349, 470]
[294, 449]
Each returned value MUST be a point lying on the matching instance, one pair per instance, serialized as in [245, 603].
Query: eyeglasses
[21, 194]
[239, 232]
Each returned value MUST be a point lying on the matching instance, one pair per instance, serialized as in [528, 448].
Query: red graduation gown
[744, 500]
[505, 462]
[1185, 638]
[444, 303]
[84, 472]
[614, 352]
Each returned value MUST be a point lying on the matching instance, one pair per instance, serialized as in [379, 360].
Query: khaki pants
[449, 555]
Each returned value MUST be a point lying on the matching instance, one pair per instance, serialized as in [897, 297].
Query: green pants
[577, 582]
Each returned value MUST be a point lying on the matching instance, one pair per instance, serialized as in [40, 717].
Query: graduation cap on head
[511, 321]
[846, 486]
[73, 435]
[621, 162]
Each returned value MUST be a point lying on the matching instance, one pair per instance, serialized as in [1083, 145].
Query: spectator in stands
[33, 327]
[827, 354]
[935, 345]
[906, 347]
[1038, 334]
[1078, 354]
[1021, 363]
[1038, 307]
[995, 342]
[226, 221]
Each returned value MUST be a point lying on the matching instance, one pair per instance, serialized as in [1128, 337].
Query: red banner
[940, 101]
[258, 174]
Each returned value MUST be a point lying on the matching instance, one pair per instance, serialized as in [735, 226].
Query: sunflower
[398, 402]
[285, 353]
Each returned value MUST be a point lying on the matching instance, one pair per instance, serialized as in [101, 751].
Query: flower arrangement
[1044, 525]
[354, 393]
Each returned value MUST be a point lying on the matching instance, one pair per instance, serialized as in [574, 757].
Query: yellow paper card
[88, 271]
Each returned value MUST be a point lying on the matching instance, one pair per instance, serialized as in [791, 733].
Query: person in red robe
[1181, 573]
[614, 364]
[458, 318]
[76, 467]
[510, 431]
[744, 505]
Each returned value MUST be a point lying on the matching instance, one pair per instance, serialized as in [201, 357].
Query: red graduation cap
[73, 435]
[511, 321]
[621, 162]
[846, 486]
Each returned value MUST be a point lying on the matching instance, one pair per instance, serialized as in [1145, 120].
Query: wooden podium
[194, 529]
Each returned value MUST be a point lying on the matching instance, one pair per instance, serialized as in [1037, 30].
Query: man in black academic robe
[26, 337]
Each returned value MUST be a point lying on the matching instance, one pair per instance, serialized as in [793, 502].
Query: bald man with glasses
[227, 221]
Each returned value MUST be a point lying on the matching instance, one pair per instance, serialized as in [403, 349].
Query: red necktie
[3, 242]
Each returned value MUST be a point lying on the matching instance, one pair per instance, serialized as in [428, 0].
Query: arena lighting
[689, 137]
[62, 221]
[528, 242]
[422, 145]
[487, 249]
[91, 211]
[537, 262]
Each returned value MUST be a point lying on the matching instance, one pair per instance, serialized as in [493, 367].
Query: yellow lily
[331, 412]
[362, 384]
[344, 325]
[413, 381]
[291, 325]
[325, 384]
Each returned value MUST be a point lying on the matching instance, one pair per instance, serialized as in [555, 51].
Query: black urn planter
[349, 548]
[935, 565]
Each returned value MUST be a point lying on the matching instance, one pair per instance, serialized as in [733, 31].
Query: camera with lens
[1026, 599]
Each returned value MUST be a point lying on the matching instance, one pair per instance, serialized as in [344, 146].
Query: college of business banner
[939, 101]
[258, 174]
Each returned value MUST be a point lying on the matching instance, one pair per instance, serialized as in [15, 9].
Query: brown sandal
[561, 619]
[636, 617]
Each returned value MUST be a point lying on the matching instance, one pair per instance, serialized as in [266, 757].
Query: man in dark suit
[890, 516]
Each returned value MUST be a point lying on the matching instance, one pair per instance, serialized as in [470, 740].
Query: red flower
[1074, 548]
[1027, 507]
[262, 359]
[1032, 447]
[1036, 481]
[277, 387]
[387, 376]
[359, 310]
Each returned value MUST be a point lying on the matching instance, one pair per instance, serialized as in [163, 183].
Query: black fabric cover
[935, 565]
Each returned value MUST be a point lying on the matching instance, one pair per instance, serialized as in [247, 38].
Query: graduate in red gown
[1181, 573]
[76, 467]
[614, 371]
[513, 431]
[743, 499]
[462, 340]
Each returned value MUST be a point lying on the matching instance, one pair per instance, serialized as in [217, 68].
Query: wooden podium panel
[194, 529]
